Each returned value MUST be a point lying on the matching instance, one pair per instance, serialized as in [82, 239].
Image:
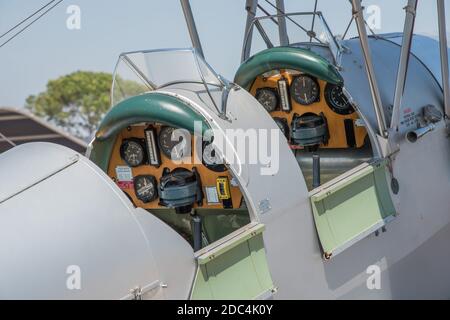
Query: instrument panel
[148, 163]
[310, 112]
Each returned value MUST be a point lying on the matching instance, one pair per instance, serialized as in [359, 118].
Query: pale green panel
[347, 212]
[201, 290]
[259, 260]
[240, 273]
[233, 274]
[384, 196]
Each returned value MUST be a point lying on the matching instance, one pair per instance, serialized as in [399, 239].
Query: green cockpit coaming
[286, 58]
[149, 107]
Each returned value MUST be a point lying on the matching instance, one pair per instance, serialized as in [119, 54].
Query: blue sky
[108, 27]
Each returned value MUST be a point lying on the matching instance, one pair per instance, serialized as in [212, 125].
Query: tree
[78, 101]
[75, 102]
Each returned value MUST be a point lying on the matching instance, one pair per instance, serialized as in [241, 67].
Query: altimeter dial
[133, 152]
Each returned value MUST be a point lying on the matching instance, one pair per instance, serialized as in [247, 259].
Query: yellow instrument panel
[335, 121]
[210, 180]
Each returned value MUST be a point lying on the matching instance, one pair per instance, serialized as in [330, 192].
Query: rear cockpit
[296, 73]
[303, 94]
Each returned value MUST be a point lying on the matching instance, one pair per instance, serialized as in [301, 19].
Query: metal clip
[410, 9]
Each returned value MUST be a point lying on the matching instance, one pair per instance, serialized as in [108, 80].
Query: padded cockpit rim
[152, 106]
[286, 58]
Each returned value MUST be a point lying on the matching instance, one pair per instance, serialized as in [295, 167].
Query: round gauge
[145, 188]
[305, 90]
[268, 97]
[132, 152]
[211, 160]
[171, 142]
[336, 99]
[283, 125]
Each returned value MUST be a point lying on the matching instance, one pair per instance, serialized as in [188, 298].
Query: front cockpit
[164, 144]
[155, 148]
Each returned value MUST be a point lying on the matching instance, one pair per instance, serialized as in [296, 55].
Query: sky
[48, 49]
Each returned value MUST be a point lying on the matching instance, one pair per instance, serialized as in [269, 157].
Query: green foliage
[75, 102]
[124, 89]
[78, 101]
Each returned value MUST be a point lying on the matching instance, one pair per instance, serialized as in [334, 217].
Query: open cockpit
[304, 96]
[149, 145]
[297, 75]
[161, 174]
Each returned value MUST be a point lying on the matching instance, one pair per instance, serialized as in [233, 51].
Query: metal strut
[376, 98]
[408, 29]
[250, 6]
[282, 31]
[443, 55]
[188, 16]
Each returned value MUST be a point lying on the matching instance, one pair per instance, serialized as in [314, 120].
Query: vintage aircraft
[350, 201]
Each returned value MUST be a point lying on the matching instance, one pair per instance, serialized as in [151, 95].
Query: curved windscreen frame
[326, 37]
[139, 72]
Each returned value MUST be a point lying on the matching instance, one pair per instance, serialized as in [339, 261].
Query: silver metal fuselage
[412, 251]
[122, 247]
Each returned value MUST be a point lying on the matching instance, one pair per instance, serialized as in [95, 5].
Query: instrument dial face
[305, 90]
[336, 99]
[211, 160]
[132, 152]
[268, 98]
[172, 145]
[145, 188]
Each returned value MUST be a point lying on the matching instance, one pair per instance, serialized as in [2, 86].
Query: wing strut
[189, 17]
[408, 30]
[444, 55]
[376, 98]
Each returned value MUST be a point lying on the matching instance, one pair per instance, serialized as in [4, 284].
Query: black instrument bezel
[328, 89]
[292, 91]
[162, 149]
[155, 185]
[141, 142]
[276, 94]
[219, 167]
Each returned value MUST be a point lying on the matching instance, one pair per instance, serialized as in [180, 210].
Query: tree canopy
[77, 102]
